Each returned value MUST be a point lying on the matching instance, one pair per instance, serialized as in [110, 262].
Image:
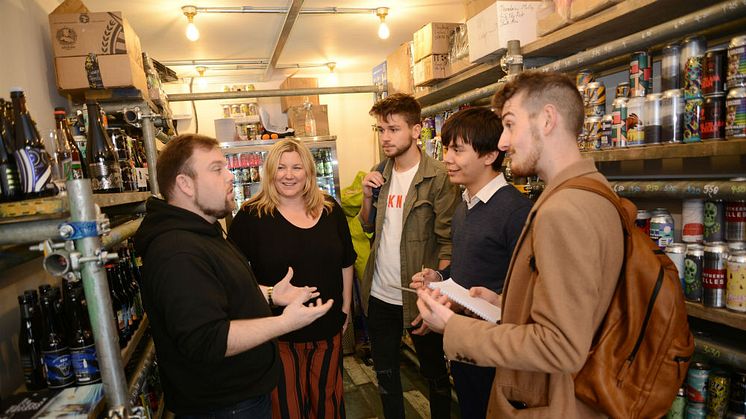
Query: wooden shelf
[134, 341]
[615, 22]
[671, 151]
[43, 208]
[717, 315]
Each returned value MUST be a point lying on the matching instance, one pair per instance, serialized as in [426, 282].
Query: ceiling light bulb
[383, 31]
[332, 65]
[192, 33]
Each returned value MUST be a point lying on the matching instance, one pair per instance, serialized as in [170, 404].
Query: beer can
[584, 77]
[636, 119]
[622, 90]
[582, 140]
[583, 95]
[642, 221]
[735, 113]
[670, 67]
[712, 122]
[593, 132]
[696, 382]
[596, 93]
[677, 253]
[737, 62]
[737, 402]
[692, 46]
[735, 292]
[713, 71]
[692, 114]
[696, 411]
[718, 387]
[619, 122]
[605, 141]
[714, 221]
[678, 407]
[653, 128]
[640, 74]
[692, 218]
[693, 77]
[661, 228]
[714, 274]
[735, 221]
[693, 262]
[672, 116]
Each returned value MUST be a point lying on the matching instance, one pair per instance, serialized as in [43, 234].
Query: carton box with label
[399, 70]
[432, 39]
[95, 50]
[491, 29]
[298, 83]
[430, 69]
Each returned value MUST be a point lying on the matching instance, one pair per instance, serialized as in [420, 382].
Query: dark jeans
[473, 387]
[385, 328]
[256, 408]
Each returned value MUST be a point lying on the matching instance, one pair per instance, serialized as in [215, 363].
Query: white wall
[26, 51]
[348, 116]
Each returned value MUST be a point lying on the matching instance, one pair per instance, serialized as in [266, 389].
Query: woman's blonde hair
[267, 200]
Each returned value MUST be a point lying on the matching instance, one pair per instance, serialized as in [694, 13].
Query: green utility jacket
[426, 236]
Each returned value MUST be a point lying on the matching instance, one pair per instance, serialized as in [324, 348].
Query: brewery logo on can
[713, 71]
[735, 292]
[735, 113]
[693, 272]
[712, 120]
[692, 114]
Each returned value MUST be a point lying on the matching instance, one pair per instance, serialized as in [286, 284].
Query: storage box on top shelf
[555, 16]
[432, 39]
[582, 8]
[473, 7]
[94, 50]
[430, 69]
[399, 70]
[491, 29]
[297, 120]
[298, 83]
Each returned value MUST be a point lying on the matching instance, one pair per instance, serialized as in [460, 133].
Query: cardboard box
[297, 120]
[399, 70]
[550, 23]
[455, 67]
[582, 8]
[490, 30]
[432, 39]
[473, 7]
[298, 83]
[104, 39]
[431, 69]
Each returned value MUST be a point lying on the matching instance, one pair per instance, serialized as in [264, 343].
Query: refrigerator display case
[246, 162]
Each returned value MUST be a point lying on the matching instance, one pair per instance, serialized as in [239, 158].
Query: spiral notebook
[461, 295]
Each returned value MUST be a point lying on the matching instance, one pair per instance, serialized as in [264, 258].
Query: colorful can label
[584, 77]
[661, 232]
[678, 408]
[605, 137]
[34, 169]
[692, 216]
[58, 368]
[713, 72]
[693, 274]
[713, 118]
[619, 123]
[596, 103]
[735, 293]
[718, 386]
[714, 275]
[636, 122]
[105, 176]
[85, 365]
[696, 383]
[643, 221]
[737, 62]
[693, 78]
[622, 90]
[735, 221]
[714, 221]
[592, 132]
[735, 113]
[640, 74]
[696, 411]
[677, 253]
[692, 114]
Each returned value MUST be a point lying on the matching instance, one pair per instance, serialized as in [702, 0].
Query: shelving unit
[717, 315]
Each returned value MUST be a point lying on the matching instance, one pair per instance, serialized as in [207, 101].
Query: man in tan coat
[564, 269]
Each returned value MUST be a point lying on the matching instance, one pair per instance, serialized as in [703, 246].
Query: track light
[383, 28]
[192, 33]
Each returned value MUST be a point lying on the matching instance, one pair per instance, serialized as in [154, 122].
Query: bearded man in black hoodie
[212, 326]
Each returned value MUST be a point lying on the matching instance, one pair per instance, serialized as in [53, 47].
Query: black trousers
[473, 387]
[385, 328]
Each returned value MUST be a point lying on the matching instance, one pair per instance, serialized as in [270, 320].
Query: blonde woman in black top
[290, 223]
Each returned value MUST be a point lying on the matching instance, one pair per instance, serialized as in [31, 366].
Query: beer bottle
[120, 318]
[33, 161]
[82, 348]
[103, 165]
[328, 166]
[129, 178]
[29, 346]
[54, 350]
[62, 152]
[9, 182]
[77, 168]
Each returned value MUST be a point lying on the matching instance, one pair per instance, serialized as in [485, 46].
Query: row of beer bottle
[26, 169]
[56, 342]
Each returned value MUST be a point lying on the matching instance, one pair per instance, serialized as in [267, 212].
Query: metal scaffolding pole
[95, 285]
[30, 232]
[181, 97]
[702, 19]
[121, 233]
[151, 152]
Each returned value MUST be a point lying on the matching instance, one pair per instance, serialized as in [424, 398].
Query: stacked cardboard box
[297, 120]
[399, 70]
[94, 50]
[430, 44]
[298, 83]
[501, 21]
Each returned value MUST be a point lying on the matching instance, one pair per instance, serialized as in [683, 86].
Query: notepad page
[461, 295]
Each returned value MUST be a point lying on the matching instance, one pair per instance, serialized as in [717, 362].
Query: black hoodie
[194, 283]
